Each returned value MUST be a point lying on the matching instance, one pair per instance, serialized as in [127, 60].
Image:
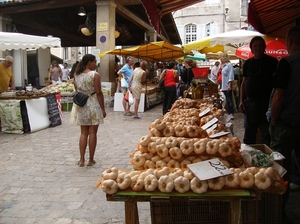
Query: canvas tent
[18, 43]
[15, 41]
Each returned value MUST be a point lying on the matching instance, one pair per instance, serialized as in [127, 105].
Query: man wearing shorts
[126, 72]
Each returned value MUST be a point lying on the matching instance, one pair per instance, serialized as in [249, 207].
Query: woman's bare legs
[92, 142]
[136, 107]
[83, 143]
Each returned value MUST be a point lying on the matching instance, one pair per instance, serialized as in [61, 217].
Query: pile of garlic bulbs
[167, 180]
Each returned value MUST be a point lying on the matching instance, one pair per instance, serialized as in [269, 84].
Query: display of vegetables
[60, 87]
[182, 180]
[174, 152]
[160, 159]
[66, 87]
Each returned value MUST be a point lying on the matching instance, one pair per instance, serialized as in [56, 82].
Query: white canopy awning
[14, 41]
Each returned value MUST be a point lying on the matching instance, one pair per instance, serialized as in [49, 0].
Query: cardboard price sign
[209, 169]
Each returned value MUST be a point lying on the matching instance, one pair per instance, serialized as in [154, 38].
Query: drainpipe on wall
[224, 15]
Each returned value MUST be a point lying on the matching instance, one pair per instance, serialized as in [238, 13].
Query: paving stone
[25, 221]
[40, 181]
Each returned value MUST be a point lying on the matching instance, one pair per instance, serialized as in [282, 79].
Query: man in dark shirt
[255, 91]
[285, 105]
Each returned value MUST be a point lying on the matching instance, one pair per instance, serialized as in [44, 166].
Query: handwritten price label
[218, 166]
[209, 169]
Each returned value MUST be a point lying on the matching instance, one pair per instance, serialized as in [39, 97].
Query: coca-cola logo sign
[277, 52]
[245, 54]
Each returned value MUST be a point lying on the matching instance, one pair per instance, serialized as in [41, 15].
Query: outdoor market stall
[26, 110]
[151, 52]
[191, 169]
[29, 111]
[18, 44]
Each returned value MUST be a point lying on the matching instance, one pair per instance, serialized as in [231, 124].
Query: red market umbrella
[275, 48]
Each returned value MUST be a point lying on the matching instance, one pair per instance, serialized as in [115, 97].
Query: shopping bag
[126, 97]
[130, 98]
[161, 83]
[123, 83]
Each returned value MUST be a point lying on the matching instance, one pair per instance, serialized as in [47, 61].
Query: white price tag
[211, 128]
[209, 169]
[219, 134]
[204, 112]
[210, 123]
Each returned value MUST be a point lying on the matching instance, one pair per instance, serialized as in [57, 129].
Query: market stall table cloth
[11, 118]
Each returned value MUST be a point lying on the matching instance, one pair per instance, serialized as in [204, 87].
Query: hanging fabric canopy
[15, 41]
[274, 17]
[154, 51]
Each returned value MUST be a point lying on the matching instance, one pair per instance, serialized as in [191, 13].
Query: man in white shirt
[214, 72]
[65, 72]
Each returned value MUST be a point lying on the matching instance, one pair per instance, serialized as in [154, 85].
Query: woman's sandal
[91, 163]
[80, 164]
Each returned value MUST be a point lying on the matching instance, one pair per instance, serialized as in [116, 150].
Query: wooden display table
[226, 202]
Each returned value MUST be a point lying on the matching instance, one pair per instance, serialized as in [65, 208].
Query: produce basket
[66, 106]
[200, 72]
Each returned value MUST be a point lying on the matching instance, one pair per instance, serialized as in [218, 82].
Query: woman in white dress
[135, 85]
[89, 116]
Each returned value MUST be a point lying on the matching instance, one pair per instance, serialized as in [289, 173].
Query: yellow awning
[154, 51]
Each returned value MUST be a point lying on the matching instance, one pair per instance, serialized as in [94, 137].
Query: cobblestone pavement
[41, 183]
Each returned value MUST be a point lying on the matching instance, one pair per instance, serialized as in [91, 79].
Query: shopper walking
[171, 78]
[227, 72]
[55, 73]
[135, 84]
[65, 73]
[126, 72]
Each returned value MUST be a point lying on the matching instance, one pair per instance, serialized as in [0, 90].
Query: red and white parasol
[275, 48]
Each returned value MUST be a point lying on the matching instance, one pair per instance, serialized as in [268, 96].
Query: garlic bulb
[182, 184]
[165, 184]
[198, 186]
[150, 182]
[109, 186]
